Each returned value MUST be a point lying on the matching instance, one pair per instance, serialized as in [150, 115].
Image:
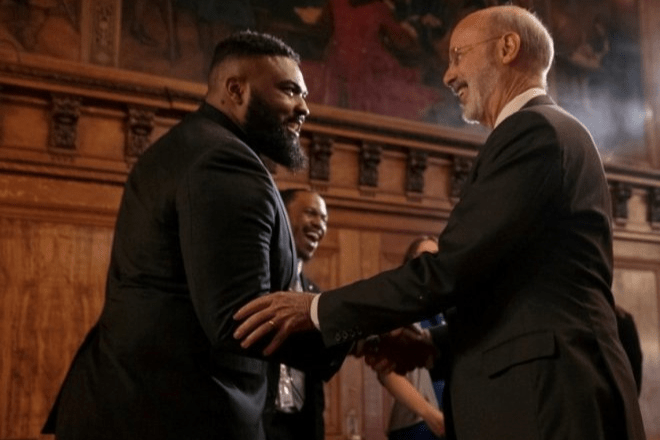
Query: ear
[510, 49]
[237, 89]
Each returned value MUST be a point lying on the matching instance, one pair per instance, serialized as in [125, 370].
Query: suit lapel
[220, 118]
[536, 101]
[292, 245]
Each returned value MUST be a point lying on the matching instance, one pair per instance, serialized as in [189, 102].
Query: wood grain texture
[53, 277]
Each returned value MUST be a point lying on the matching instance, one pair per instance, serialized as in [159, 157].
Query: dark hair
[249, 44]
[289, 194]
[411, 252]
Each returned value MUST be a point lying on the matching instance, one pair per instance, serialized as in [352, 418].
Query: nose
[319, 223]
[301, 107]
[450, 75]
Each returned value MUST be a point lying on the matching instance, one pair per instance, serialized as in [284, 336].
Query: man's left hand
[284, 313]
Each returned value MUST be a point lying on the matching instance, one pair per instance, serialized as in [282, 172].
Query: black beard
[267, 135]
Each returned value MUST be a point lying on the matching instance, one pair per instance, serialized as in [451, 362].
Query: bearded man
[201, 230]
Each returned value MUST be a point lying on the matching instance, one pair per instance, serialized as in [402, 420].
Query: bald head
[496, 54]
[536, 50]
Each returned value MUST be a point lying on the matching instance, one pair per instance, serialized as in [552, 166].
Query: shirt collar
[518, 102]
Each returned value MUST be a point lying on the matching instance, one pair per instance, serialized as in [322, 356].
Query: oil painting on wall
[31, 25]
[380, 56]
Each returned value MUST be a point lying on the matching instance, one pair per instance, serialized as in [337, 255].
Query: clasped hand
[400, 350]
[285, 313]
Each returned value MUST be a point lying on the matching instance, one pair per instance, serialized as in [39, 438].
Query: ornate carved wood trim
[39, 73]
[65, 112]
[621, 193]
[139, 126]
[370, 156]
[320, 151]
[460, 169]
[103, 49]
[416, 165]
[654, 207]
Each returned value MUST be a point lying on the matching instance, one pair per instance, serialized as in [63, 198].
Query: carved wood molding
[35, 77]
[370, 156]
[140, 125]
[416, 165]
[320, 151]
[460, 169]
[653, 201]
[65, 111]
[621, 193]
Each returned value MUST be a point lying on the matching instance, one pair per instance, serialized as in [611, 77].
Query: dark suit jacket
[308, 423]
[630, 341]
[200, 231]
[524, 271]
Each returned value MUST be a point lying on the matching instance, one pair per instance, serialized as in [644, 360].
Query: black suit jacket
[524, 271]
[200, 231]
[308, 423]
[630, 341]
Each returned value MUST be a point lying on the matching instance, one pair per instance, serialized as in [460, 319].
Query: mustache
[299, 119]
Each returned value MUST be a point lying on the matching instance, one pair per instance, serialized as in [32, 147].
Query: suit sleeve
[226, 212]
[516, 180]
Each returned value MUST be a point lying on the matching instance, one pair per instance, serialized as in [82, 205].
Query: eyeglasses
[456, 53]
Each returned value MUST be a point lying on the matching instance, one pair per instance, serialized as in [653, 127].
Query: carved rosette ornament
[416, 165]
[621, 193]
[320, 151]
[370, 156]
[140, 124]
[460, 170]
[654, 207]
[65, 113]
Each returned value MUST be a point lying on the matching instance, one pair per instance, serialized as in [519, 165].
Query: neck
[219, 103]
[512, 86]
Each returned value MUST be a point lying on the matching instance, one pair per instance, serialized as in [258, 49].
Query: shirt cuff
[314, 312]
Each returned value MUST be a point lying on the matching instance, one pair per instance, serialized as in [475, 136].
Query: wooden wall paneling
[437, 179]
[393, 172]
[636, 289]
[24, 127]
[52, 294]
[370, 258]
[350, 377]
[344, 167]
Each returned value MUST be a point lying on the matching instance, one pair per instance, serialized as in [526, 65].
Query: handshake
[399, 351]
[281, 314]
